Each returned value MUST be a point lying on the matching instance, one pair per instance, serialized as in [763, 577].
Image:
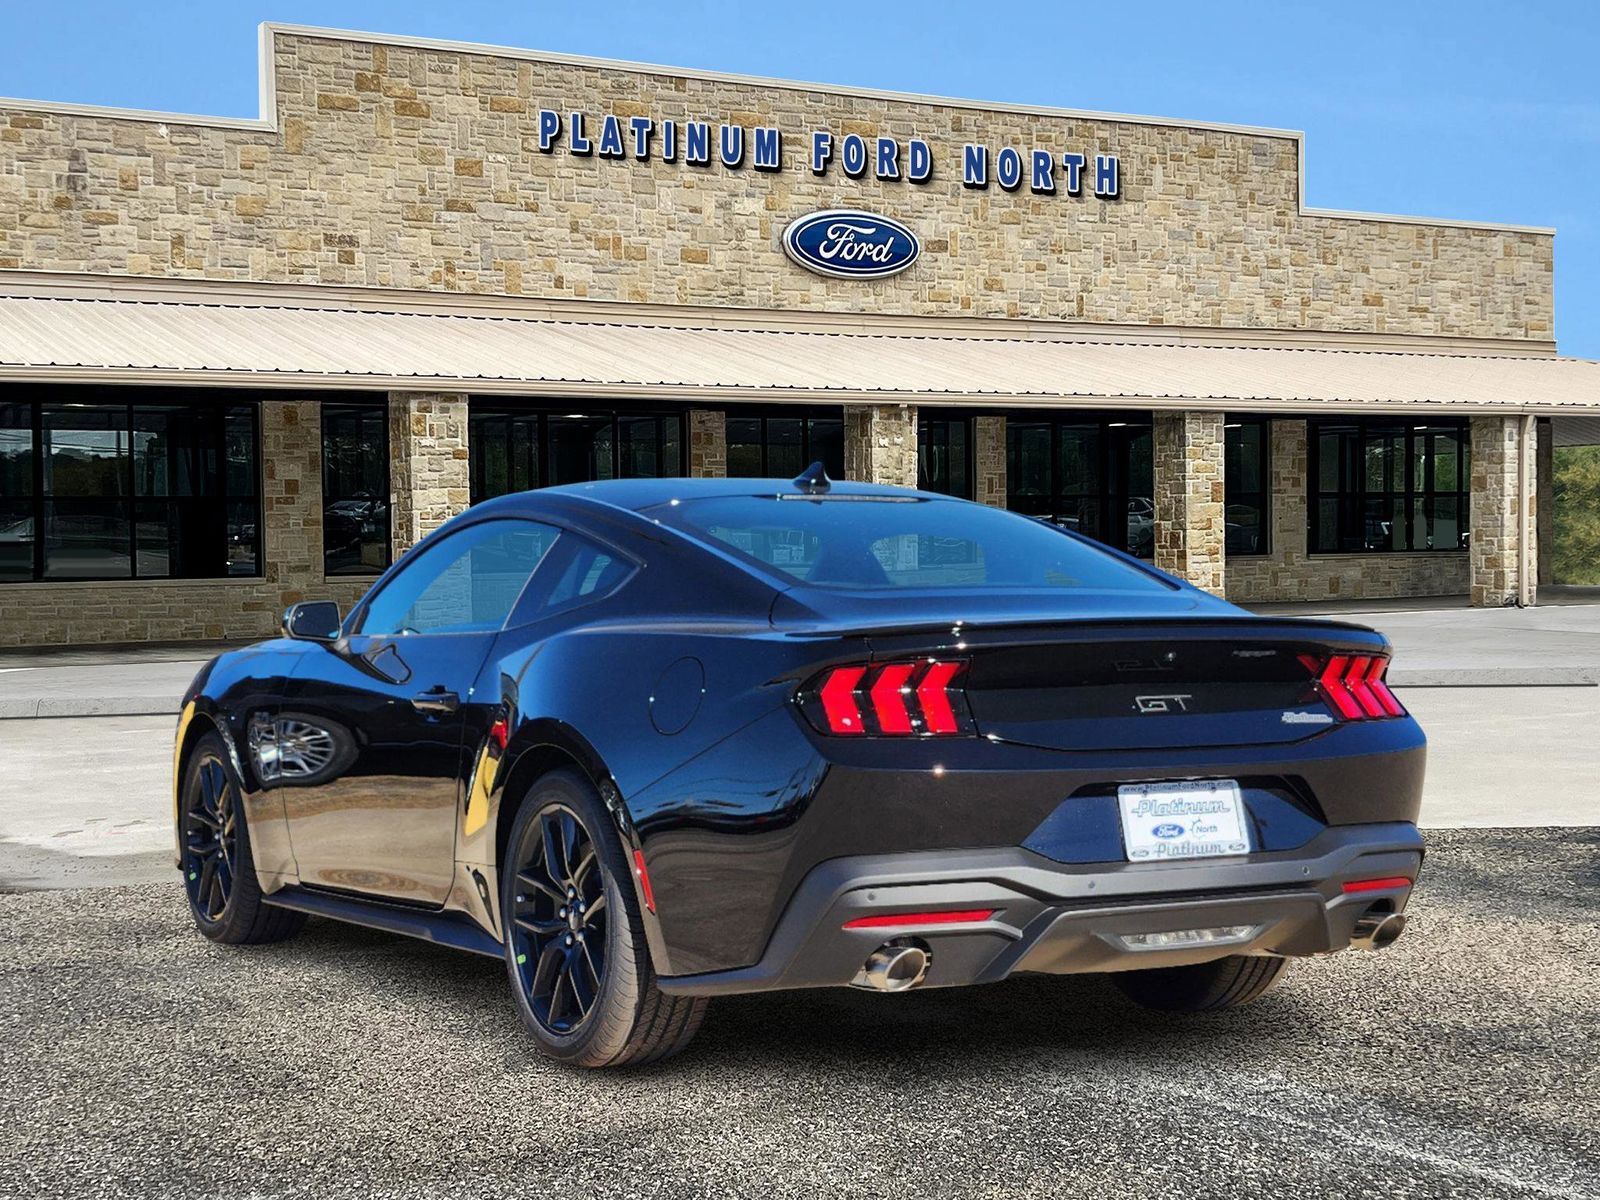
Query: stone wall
[429, 478]
[158, 610]
[1545, 501]
[1187, 450]
[989, 460]
[1289, 572]
[419, 168]
[1497, 508]
[880, 443]
[708, 443]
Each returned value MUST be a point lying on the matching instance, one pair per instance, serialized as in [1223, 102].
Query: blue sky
[1469, 109]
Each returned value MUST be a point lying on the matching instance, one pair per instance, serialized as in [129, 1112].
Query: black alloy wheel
[559, 920]
[219, 873]
[581, 974]
[211, 840]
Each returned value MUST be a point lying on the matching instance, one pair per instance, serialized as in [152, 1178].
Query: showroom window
[512, 449]
[355, 488]
[118, 483]
[781, 444]
[944, 455]
[1089, 475]
[1247, 475]
[1383, 486]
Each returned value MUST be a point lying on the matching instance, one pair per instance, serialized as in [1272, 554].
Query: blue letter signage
[850, 244]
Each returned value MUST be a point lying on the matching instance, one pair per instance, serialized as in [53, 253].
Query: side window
[466, 583]
[589, 572]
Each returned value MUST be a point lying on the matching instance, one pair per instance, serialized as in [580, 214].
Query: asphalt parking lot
[140, 1060]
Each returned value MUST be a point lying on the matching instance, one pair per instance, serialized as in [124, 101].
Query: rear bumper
[1065, 919]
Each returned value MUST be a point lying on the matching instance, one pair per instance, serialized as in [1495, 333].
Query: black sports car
[653, 741]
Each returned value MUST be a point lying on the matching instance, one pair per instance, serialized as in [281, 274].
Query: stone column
[1190, 531]
[880, 443]
[429, 480]
[708, 444]
[989, 460]
[1545, 502]
[1498, 511]
[291, 499]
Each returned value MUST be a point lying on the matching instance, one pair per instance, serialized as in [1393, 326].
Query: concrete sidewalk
[1438, 643]
[99, 681]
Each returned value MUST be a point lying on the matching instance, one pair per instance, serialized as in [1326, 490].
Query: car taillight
[1353, 686]
[911, 698]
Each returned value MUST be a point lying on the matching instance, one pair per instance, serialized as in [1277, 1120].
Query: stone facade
[1545, 501]
[989, 460]
[880, 443]
[419, 167]
[428, 464]
[158, 610]
[708, 443]
[1500, 496]
[1289, 572]
[1187, 451]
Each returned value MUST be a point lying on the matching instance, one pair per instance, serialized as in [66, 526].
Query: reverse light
[1353, 686]
[908, 698]
[1179, 939]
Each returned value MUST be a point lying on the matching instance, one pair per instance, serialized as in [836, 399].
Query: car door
[392, 704]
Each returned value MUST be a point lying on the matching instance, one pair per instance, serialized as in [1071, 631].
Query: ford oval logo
[1169, 830]
[850, 244]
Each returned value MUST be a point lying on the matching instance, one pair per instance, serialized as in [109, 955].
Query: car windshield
[871, 542]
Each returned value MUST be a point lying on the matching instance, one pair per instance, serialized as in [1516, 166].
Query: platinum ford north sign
[850, 244]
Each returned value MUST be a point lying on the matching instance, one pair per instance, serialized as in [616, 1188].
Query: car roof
[641, 494]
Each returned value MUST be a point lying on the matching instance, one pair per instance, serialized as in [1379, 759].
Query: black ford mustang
[653, 741]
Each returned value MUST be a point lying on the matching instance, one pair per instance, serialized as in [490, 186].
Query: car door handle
[436, 700]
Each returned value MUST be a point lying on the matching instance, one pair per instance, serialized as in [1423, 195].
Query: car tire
[627, 1020]
[219, 874]
[1202, 987]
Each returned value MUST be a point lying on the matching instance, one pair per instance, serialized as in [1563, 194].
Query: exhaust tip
[895, 966]
[1377, 930]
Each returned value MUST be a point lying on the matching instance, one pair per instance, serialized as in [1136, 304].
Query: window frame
[805, 413]
[126, 402]
[969, 456]
[1231, 492]
[1352, 502]
[1113, 491]
[364, 405]
[541, 412]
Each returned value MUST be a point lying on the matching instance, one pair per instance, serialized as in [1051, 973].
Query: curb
[100, 706]
[1481, 677]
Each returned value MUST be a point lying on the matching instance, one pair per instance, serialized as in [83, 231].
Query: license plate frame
[1183, 820]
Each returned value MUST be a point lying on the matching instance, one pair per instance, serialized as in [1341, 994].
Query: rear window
[870, 543]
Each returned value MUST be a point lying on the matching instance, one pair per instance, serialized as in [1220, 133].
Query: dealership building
[246, 362]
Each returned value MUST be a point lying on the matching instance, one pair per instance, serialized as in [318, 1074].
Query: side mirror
[312, 621]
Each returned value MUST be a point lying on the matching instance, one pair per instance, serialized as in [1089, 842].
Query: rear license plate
[1162, 821]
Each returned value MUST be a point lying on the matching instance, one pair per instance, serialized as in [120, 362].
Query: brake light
[838, 695]
[918, 698]
[889, 698]
[1354, 687]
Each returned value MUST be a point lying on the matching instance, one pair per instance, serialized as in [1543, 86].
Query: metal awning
[141, 341]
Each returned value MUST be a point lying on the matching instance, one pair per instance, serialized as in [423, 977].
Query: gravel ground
[137, 1059]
